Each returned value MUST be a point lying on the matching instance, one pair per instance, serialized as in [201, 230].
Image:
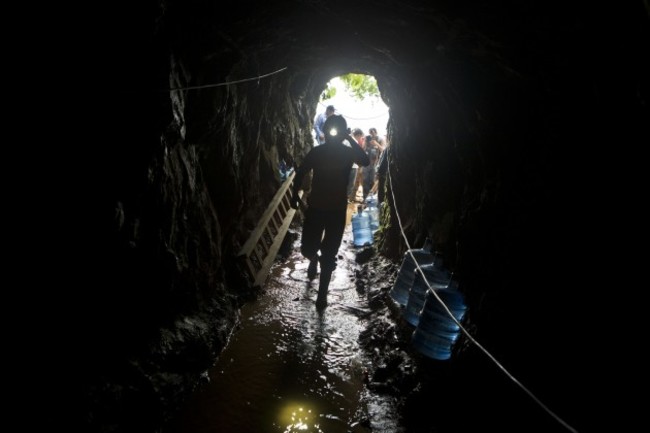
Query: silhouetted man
[325, 217]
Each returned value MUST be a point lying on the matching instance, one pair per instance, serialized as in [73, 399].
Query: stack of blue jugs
[373, 210]
[407, 271]
[436, 331]
[436, 277]
[361, 231]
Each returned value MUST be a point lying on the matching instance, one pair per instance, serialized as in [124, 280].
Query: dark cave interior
[495, 111]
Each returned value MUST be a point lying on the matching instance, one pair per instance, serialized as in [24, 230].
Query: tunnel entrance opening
[357, 98]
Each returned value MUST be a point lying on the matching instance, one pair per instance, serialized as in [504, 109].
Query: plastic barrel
[436, 332]
[371, 200]
[374, 218]
[437, 277]
[407, 270]
[361, 231]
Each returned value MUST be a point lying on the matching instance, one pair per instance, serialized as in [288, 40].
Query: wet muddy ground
[292, 367]
[349, 368]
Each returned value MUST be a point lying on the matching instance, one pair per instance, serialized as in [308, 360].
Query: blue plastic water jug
[436, 331]
[374, 218]
[406, 274]
[371, 200]
[437, 277]
[361, 231]
[284, 171]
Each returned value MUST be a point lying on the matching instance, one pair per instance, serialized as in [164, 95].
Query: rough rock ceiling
[495, 108]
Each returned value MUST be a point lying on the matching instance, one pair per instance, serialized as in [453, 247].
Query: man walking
[327, 203]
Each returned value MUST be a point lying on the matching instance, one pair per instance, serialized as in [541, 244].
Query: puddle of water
[290, 368]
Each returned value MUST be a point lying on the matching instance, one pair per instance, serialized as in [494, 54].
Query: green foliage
[328, 93]
[360, 86]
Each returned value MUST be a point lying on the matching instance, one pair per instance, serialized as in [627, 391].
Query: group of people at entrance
[373, 144]
[366, 177]
[332, 185]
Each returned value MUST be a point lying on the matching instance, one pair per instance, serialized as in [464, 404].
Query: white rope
[472, 339]
[205, 86]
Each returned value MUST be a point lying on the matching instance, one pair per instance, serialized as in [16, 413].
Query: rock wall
[495, 109]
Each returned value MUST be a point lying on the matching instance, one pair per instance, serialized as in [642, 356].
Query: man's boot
[321, 300]
[312, 270]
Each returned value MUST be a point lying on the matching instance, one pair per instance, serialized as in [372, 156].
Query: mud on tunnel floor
[292, 367]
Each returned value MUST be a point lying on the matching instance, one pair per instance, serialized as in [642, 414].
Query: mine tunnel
[496, 109]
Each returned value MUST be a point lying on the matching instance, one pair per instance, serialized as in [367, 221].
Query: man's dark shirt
[331, 163]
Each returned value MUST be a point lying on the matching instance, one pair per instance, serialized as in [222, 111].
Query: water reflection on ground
[289, 367]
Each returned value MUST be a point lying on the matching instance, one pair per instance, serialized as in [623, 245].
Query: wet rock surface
[466, 393]
[347, 364]
[349, 368]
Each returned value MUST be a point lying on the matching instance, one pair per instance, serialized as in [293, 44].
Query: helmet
[334, 126]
